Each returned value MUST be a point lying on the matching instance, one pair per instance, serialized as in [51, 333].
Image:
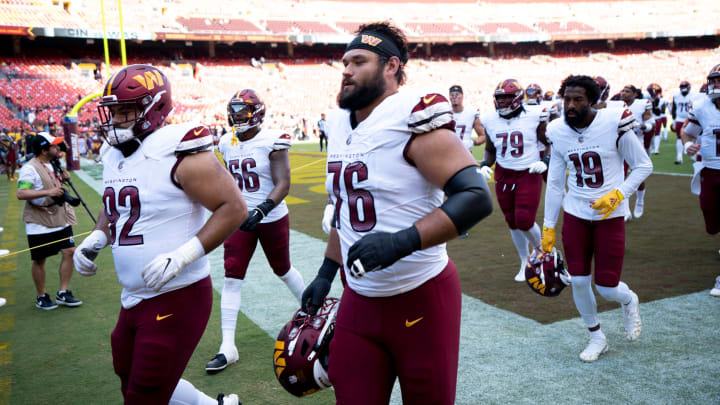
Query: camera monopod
[56, 165]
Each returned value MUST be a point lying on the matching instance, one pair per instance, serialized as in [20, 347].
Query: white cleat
[638, 211]
[520, 276]
[715, 292]
[594, 349]
[231, 399]
[628, 216]
[631, 318]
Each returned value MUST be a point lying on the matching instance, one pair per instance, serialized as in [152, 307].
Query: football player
[533, 94]
[552, 104]
[513, 133]
[681, 106]
[159, 180]
[704, 122]
[592, 145]
[642, 111]
[388, 169]
[659, 106]
[466, 119]
[603, 101]
[258, 160]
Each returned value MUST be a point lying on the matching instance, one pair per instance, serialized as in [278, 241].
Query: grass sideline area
[64, 355]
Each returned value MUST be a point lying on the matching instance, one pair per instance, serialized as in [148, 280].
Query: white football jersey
[375, 189]
[554, 107]
[249, 163]
[638, 108]
[464, 123]
[683, 105]
[515, 139]
[594, 159]
[615, 104]
[149, 213]
[707, 115]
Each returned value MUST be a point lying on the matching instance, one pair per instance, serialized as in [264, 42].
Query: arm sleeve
[634, 154]
[555, 189]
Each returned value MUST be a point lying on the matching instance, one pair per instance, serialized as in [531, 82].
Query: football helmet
[245, 110]
[549, 95]
[302, 350]
[136, 101]
[654, 90]
[684, 87]
[604, 88]
[703, 88]
[713, 91]
[508, 97]
[533, 94]
[545, 273]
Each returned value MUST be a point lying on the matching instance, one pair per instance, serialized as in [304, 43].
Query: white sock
[679, 149]
[640, 197]
[585, 300]
[521, 243]
[186, 394]
[597, 334]
[229, 308]
[656, 143]
[294, 282]
[533, 236]
[619, 294]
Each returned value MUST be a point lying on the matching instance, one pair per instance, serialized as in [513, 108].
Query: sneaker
[66, 298]
[631, 318]
[3, 301]
[594, 349]
[715, 292]
[45, 302]
[638, 211]
[463, 236]
[231, 399]
[221, 361]
[3, 252]
[628, 216]
[520, 276]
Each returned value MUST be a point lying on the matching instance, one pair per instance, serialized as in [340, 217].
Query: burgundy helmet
[713, 91]
[684, 85]
[245, 110]
[549, 95]
[533, 94]
[545, 273]
[143, 94]
[302, 350]
[604, 88]
[507, 105]
[704, 88]
[654, 90]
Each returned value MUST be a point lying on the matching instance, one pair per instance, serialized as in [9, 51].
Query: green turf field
[64, 355]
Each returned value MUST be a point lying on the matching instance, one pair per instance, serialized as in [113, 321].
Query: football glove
[314, 295]
[537, 167]
[486, 172]
[88, 250]
[379, 250]
[328, 218]
[257, 214]
[167, 266]
[607, 203]
[548, 239]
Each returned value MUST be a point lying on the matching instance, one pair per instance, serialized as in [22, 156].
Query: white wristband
[687, 145]
[97, 240]
[191, 251]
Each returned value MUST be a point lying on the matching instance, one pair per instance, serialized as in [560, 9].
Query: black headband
[376, 42]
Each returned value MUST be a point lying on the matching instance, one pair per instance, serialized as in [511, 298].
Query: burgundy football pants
[583, 239]
[710, 199]
[518, 194]
[274, 238]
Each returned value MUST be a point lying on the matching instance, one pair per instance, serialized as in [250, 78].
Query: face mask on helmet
[546, 274]
[684, 88]
[240, 116]
[506, 104]
[713, 86]
[302, 350]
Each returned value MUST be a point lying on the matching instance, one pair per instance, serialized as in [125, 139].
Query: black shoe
[217, 364]
[66, 298]
[45, 302]
[463, 236]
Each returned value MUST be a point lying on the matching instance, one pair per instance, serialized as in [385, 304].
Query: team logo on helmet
[302, 348]
[545, 273]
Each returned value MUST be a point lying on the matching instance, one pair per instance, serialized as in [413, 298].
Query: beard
[362, 94]
[579, 118]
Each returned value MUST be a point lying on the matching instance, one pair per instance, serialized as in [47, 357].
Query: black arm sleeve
[468, 199]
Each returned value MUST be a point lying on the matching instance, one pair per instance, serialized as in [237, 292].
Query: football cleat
[631, 318]
[221, 361]
[231, 399]
[594, 349]
[715, 292]
[638, 211]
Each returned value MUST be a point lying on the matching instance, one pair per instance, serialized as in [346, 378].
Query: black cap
[456, 87]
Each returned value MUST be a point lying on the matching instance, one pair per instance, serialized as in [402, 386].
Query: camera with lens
[66, 198]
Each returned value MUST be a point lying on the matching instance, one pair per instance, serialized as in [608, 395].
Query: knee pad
[152, 366]
[609, 293]
[581, 281]
[523, 220]
[234, 267]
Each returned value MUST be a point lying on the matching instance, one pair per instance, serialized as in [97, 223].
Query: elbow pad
[468, 199]
[692, 129]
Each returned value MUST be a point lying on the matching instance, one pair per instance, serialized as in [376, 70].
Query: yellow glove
[548, 239]
[607, 203]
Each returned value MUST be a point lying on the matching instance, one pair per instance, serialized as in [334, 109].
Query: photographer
[48, 218]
